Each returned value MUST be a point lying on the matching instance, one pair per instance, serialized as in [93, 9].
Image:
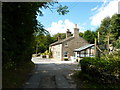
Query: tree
[89, 36]
[19, 24]
[62, 36]
[81, 34]
[109, 30]
[62, 10]
[115, 29]
[105, 32]
[115, 25]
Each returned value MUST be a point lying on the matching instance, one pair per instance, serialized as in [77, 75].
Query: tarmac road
[49, 73]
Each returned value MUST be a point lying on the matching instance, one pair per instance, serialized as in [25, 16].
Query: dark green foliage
[115, 25]
[104, 71]
[19, 23]
[89, 36]
[62, 36]
[85, 80]
[16, 77]
[81, 34]
[42, 42]
[18, 26]
[62, 10]
[110, 27]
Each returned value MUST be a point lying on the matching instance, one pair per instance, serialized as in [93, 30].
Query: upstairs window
[66, 44]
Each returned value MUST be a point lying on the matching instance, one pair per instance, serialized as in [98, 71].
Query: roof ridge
[83, 47]
[63, 40]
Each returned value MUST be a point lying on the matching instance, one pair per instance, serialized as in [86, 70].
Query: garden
[99, 72]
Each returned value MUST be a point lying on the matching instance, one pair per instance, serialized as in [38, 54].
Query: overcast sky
[87, 15]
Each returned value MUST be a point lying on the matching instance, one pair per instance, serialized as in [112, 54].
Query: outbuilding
[85, 51]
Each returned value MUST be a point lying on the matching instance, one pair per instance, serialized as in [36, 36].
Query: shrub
[101, 69]
[65, 59]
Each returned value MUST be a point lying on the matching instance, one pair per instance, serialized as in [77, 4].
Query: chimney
[76, 31]
[59, 37]
[68, 33]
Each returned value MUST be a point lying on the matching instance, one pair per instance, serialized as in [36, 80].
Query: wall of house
[70, 45]
[57, 51]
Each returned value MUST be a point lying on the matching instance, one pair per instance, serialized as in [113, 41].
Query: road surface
[49, 73]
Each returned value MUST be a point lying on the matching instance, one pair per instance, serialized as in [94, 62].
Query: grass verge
[16, 78]
[84, 80]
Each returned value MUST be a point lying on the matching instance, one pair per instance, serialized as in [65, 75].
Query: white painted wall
[57, 51]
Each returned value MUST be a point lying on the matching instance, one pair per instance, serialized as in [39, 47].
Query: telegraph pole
[36, 48]
[108, 41]
[98, 52]
[95, 47]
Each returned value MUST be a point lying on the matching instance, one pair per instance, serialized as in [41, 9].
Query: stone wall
[71, 45]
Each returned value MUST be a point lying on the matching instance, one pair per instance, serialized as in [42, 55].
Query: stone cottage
[63, 49]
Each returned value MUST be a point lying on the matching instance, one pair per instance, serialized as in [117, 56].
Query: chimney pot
[59, 37]
[75, 25]
[68, 33]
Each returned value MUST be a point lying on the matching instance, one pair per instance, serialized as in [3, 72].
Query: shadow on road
[52, 74]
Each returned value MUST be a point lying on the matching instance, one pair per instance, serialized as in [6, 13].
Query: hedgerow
[105, 71]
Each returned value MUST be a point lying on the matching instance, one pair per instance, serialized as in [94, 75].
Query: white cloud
[95, 8]
[105, 10]
[62, 26]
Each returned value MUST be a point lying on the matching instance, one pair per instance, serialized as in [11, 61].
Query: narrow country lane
[49, 73]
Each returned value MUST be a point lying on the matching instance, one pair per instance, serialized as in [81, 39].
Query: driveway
[49, 73]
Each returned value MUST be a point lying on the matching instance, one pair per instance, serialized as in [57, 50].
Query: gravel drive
[49, 73]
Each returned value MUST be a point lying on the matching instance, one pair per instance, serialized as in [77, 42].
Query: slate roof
[84, 47]
[61, 41]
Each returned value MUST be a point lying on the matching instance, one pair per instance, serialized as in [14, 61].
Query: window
[58, 54]
[65, 54]
[93, 47]
[66, 44]
[58, 45]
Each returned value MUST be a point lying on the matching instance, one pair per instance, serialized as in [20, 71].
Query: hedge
[104, 71]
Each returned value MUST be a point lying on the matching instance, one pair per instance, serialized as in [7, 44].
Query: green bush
[65, 59]
[101, 69]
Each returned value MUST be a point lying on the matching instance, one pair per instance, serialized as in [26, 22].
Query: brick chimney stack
[59, 37]
[76, 31]
[68, 33]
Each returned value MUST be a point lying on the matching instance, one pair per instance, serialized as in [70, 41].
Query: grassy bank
[99, 72]
[16, 78]
[84, 80]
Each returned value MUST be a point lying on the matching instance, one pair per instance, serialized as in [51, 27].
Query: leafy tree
[19, 24]
[109, 30]
[104, 29]
[115, 25]
[49, 40]
[117, 43]
[89, 36]
[81, 34]
[62, 10]
[115, 30]
[43, 42]
[62, 36]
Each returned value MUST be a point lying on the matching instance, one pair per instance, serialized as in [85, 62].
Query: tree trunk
[36, 48]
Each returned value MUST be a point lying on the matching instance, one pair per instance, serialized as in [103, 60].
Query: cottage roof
[61, 41]
[84, 47]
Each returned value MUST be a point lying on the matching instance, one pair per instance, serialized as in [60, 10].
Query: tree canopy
[18, 26]
[89, 36]
[110, 30]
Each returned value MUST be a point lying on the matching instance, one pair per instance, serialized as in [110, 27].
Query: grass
[16, 78]
[84, 80]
